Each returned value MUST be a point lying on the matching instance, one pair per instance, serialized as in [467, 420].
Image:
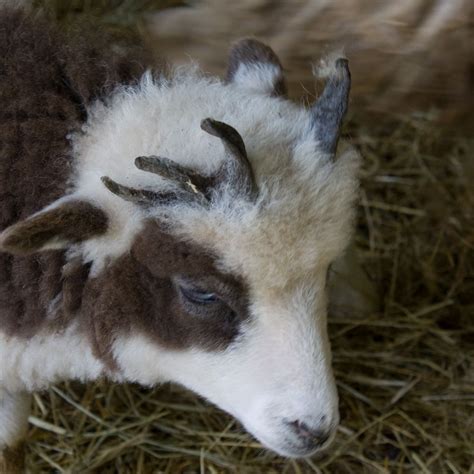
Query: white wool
[306, 204]
[33, 364]
[258, 77]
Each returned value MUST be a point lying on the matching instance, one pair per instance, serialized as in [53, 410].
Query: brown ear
[68, 223]
[254, 65]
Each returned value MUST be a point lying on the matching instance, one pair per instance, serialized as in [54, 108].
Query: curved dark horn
[144, 197]
[331, 107]
[189, 185]
[186, 178]
[236, 168]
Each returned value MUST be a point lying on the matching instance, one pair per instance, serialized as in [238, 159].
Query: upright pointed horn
[236, 168]
[329, 111]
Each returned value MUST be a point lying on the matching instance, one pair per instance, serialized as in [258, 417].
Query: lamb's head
[210, 251]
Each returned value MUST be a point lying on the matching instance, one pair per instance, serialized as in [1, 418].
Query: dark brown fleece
[140, 293]
[46, 81]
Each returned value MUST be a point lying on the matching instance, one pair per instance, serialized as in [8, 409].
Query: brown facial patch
[69, 223]
[250, 51]
[142, 292]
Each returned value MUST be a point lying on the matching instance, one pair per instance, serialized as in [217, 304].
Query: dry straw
[405, 374]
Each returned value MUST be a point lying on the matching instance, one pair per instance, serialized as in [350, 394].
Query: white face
[276, 378]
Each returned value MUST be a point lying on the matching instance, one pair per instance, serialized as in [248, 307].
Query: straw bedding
[405, 374]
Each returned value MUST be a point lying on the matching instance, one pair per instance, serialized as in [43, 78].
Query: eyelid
[206, 284]
[191, 285]
[198, 296]
[190, 294]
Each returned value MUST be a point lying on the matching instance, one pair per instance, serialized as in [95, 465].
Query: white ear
[59, 225]
[254, 66]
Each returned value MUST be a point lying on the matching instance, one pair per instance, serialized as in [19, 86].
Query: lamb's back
[47, 80]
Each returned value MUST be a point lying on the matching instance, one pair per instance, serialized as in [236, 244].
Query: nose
[311, 437]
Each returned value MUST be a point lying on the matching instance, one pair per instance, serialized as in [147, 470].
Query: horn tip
[138, 162]
[342, 63]
[207, 124]
[335, 66]
[143, 162]
[109, 183]
[211, 126]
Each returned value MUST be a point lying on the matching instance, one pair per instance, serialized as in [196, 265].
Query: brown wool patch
[46, 82]
[139, 293]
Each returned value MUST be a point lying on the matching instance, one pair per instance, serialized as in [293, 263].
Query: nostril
[309, 435]
[301, 429]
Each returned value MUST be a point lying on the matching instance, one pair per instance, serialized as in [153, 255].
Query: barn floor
[405, 374]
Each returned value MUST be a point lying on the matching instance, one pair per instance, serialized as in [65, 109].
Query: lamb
[170, 227]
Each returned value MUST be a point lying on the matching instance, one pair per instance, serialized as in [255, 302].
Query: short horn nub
[329, 111]
[236, 169]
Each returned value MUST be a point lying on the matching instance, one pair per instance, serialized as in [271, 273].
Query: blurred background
[405, 373]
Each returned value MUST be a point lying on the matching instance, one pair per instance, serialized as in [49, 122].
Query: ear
[255, 66]
[57, 226]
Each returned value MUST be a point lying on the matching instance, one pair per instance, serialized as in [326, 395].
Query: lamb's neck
[34, 363]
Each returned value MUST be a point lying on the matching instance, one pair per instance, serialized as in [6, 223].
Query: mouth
[290, 449]
[291, 446]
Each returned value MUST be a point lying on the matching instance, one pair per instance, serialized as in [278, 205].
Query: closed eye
[198, 296]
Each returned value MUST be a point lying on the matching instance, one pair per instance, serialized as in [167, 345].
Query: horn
[185, 178]
[236, 168]
[143, 197]
[329, 111]
[190, 186]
